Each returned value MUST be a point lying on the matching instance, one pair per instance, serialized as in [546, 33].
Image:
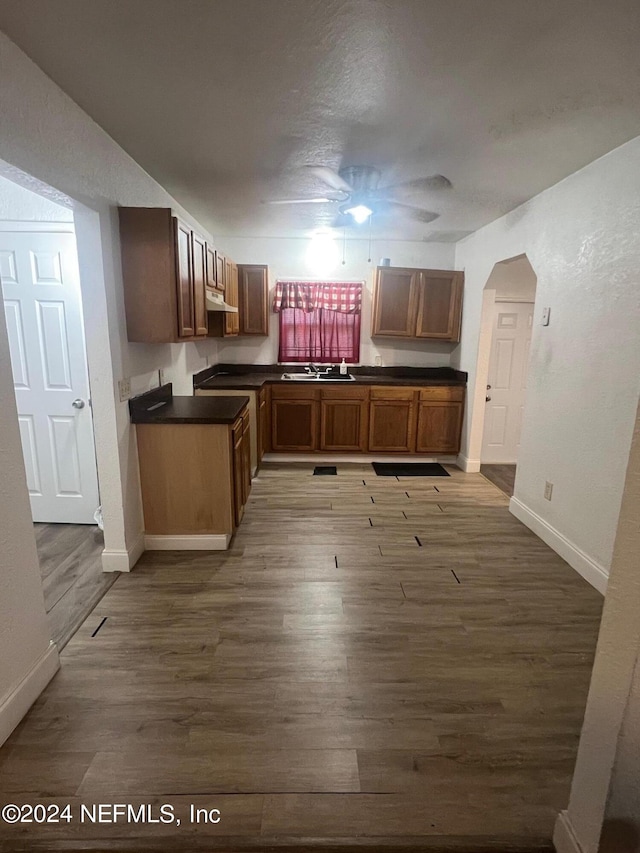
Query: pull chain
[344, 245]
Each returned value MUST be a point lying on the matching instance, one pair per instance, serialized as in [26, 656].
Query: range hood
[215, 302]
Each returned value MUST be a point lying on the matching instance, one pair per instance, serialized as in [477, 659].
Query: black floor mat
[325, 470]
[409, 469]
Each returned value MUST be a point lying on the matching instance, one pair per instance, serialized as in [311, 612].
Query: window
[319, 321]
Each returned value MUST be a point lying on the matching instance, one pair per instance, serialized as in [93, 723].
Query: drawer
[443, 392]
[381, 392]
[335, 392]
[294, 391]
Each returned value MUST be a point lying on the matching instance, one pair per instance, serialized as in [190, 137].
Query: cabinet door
[264, 429]
[199, 284]
[212, 271]
[440, 305]
[238, 473]
[343, 424]
[253, 299]
[220, 271]
[294, 424]
[392, 425]
[439, 426]
[231, 323]
[184, 280]
[246, 461]
[395, 299]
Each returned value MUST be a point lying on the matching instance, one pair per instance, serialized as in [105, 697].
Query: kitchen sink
[316, 377]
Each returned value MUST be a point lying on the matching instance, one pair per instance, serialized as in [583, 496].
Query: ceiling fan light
[360, 212]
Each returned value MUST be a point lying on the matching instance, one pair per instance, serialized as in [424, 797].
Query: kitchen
[353, 656]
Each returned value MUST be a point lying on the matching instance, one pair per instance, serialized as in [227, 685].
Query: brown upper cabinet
[212, 270]
[199, 252]
[413, 303]
[164, 276]
[246, 288]
[220, 270]
[253, 299]
[225, 324]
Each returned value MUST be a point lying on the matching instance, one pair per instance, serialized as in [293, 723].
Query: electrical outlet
[546, 316]
[124, 389]
[378, 361]
[548, 490]
[161, 376]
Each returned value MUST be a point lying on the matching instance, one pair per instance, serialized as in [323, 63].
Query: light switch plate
[548, 490]
[546, 316]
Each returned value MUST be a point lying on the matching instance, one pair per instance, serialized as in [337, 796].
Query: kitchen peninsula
[194, 467]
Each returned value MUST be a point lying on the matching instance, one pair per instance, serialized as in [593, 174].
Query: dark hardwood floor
[399, 664]
[502, 476]
[72, 578]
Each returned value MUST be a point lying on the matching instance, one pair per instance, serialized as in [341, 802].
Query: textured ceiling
[224, 101]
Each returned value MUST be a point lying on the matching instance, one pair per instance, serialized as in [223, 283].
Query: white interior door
[43, 308]
[508, 366]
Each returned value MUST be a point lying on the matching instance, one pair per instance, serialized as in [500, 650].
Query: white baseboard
[592, 572]
[210, 542]
[15, 704]
[469, 466]
[564, 838]
[123, 561]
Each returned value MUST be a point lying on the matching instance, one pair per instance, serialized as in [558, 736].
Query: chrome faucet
[312, 368]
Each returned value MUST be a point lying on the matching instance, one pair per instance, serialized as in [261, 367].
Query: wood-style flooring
[502, 476]
[379, 663]
[72, 578]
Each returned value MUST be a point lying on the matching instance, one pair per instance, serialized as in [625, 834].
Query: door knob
[78, 404]
[487, 398]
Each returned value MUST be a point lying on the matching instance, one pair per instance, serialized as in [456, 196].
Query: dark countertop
[255, 377]
[161, 407]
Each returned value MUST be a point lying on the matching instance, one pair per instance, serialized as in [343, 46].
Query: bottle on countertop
[343, 368]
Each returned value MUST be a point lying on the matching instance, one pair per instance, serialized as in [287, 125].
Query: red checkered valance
[345, 297]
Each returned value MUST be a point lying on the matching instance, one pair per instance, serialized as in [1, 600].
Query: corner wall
[287, 259]
[27, 661]
[581, 237]
[47, 136]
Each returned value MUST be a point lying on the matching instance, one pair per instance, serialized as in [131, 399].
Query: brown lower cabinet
[344, 418]
[241, 464]
[392, 420]
[294, 418]
[378, 419]
[264, 423]
[195, 478]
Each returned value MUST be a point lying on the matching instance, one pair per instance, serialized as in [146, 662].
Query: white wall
[606, 782]
[23, 205]
[287, 259]
[514, 281]
[581, 237]
[26, 662]
[47, 136]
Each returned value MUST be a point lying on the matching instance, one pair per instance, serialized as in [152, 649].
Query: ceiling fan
[355, 189]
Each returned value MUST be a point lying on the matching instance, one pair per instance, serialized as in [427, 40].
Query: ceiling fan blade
[301, 201]
[432, 183]
[417, 213]
[330, 177]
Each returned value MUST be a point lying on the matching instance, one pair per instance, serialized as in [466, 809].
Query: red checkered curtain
[342, 296]
[319, 321]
